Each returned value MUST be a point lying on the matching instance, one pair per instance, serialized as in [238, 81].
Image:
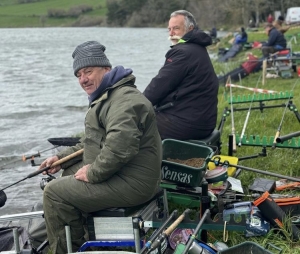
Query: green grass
[283, 161]
[28, 15]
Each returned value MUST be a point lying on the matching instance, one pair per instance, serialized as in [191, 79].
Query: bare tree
[206, 12]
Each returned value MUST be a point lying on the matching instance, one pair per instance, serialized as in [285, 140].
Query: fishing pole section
[56, 142]
[263, 96]
[193, 245]
[284, 138]
[24, 158]
[247, 116]
[161, 235]
[217, 162]
[281, 122]
[3, 197]
[232, 118]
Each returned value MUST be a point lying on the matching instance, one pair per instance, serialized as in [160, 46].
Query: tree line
[208, 13]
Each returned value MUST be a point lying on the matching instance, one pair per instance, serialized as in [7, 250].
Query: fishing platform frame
[122, 227]
[264, 141]
[126, 227]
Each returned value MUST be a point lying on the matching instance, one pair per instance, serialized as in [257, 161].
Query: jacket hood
[197, 36]
[109, 79]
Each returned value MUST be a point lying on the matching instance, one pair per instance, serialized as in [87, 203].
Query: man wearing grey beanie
[120, 165]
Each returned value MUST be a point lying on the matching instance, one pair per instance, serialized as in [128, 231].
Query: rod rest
[209, 224]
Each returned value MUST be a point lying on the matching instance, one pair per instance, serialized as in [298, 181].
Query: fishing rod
[217, 161]
[25, 158]
[168, 231]
[232, 117]
[158, 231]
[38, 154]
[287, 137]
[222, 122]
[37, 172]
[248, 115]
[193, 236]
[56, 142]
[281, 122]
[264, 70]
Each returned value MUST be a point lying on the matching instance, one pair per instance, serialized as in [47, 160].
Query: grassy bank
[13, 14]
[262, 123]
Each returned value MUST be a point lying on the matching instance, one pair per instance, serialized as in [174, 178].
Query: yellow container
[231, 160]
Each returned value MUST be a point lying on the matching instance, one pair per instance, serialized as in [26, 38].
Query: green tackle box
[176, 153]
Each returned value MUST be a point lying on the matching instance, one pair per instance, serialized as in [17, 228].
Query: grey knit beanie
[89, 54]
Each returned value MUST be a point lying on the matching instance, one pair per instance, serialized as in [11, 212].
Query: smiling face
[90, 78]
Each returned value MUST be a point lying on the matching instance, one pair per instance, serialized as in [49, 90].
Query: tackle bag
[37, 229]
[274, 214]
[250, 65]
[290, 206]
[7, 238]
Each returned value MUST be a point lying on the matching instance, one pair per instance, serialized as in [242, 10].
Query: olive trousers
[67, 201]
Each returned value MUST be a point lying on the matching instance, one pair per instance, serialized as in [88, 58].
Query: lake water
[40, 98]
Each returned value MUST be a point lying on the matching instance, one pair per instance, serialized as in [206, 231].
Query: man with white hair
[185, 90]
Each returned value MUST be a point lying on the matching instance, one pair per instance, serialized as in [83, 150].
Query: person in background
[213, 33]
[122, 150]
[251, 23]
[185, 90]
[278, 24]
[275, 42]
[270, 18]
[242, 37]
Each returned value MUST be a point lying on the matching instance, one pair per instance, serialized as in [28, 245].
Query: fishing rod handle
[71, 156]
[152, 245]
[287, 137]
[275, 138]
[168, 231]
[157, 232]
[172, 227]
[233, 140]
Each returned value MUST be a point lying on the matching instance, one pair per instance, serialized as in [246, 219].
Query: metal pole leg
[136, 231]
[16, 240]
[69, 241]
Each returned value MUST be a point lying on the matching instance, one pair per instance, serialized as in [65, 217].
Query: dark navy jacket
[275, 38]
[188, 79]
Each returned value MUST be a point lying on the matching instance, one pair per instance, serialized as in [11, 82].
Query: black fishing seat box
[213, 141]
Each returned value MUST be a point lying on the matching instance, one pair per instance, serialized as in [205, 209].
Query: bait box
[179, 173]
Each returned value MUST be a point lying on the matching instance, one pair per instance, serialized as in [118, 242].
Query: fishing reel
[46, 180]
